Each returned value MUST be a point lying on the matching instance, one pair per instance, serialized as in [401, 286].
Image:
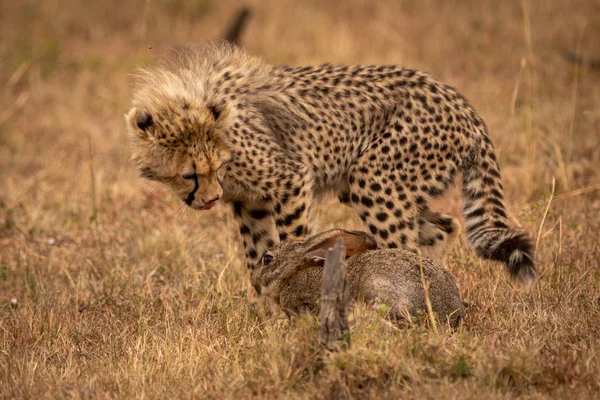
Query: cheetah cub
[292, 274]
[216, 124]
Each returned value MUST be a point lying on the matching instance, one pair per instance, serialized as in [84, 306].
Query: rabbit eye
[267, 259]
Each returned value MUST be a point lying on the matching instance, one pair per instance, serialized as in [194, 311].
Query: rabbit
[291, 274]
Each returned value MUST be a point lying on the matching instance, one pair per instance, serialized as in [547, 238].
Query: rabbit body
[387, 276]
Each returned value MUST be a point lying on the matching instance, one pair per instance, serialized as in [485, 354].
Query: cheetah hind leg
[437, 234]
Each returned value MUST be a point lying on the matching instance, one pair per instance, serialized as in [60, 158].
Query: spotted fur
[213, 121]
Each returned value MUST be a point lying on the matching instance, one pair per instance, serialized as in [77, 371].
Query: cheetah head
[178, 142]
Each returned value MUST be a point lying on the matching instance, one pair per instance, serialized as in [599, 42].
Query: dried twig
[234, 30]
[18, 74]
[425, 284]
[335, 299]
[537, 241]
[13, 108]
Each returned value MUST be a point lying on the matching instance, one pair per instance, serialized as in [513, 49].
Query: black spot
[244, 230]
[478, 226]
[499, 211]
[376, 187]
[495, 173]
[496, 193]
[381, 216]
[237, 208]
[488, 181]
[257, 236]
[252, 253]
[475, 195]
[495, 201]
[344, 197]
[373, 229]
[292, 217]
[475, 213]
[366, 201]
[258, 214]
[426, 242]
[299, 230]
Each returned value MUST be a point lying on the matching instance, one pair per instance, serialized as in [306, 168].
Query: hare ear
[317, 246]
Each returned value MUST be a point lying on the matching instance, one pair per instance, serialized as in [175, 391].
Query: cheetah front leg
[257, 227]
[294, 216]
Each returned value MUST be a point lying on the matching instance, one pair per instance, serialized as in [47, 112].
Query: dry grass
[120, 293]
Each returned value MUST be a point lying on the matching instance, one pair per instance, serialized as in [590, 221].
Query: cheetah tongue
[209, 205]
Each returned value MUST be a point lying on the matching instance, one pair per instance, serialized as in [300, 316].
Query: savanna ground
[109, 289]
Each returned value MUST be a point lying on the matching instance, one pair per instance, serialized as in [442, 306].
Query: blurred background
[79, 231]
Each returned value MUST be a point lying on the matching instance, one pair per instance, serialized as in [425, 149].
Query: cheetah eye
[267, 259]
[189, 176]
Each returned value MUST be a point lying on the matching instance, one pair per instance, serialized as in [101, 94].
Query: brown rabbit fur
[291, 274]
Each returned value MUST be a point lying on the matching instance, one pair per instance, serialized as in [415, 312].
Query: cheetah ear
[317, 246]
[218, 121]
[219, 111]
[139, 122]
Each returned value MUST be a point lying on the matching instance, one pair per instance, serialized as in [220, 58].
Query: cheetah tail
[487, 227]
